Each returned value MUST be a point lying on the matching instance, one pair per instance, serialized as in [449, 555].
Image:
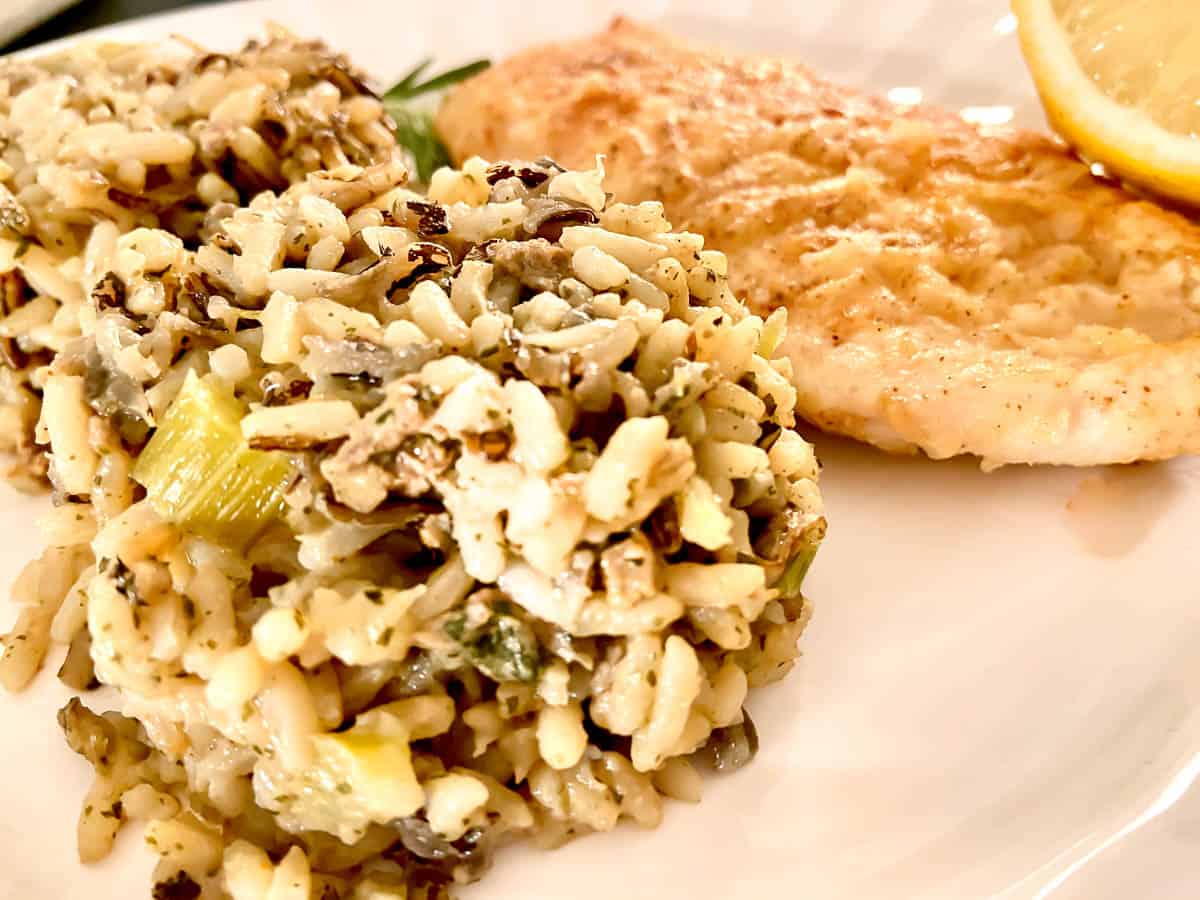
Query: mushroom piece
[350, 192]
[549, 216]
[354, 359]
[390, 273]
[469, 856]
[278, 389]
[537, 263]
[77, 671]
[118, 398]
[729, 749]
[99, 738]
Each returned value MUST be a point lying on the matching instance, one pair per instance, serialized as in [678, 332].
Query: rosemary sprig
[414, 122]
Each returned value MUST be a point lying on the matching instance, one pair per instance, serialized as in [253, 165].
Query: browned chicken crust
[950, 288]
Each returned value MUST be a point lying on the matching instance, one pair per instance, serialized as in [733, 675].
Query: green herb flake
[504, 648]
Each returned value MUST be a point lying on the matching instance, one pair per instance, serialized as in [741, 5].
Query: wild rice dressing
[159, 136]
[433, 522]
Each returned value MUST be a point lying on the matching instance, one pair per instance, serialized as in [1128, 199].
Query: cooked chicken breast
[950, 288]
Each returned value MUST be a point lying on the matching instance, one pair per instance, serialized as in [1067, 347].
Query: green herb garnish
[414, 122]
[411, 86]
[415, 132]
[504, 648]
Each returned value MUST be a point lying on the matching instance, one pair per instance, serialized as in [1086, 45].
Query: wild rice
[105, 139]
[528, 556]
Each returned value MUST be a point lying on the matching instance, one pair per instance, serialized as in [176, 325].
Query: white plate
[999, 691]
[18, 16]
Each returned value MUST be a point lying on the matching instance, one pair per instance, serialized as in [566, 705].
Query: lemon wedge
[1120, 80]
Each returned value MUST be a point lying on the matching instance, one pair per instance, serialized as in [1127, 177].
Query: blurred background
[24, 23]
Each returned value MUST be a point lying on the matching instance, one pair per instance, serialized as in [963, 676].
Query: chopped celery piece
[199, 472]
